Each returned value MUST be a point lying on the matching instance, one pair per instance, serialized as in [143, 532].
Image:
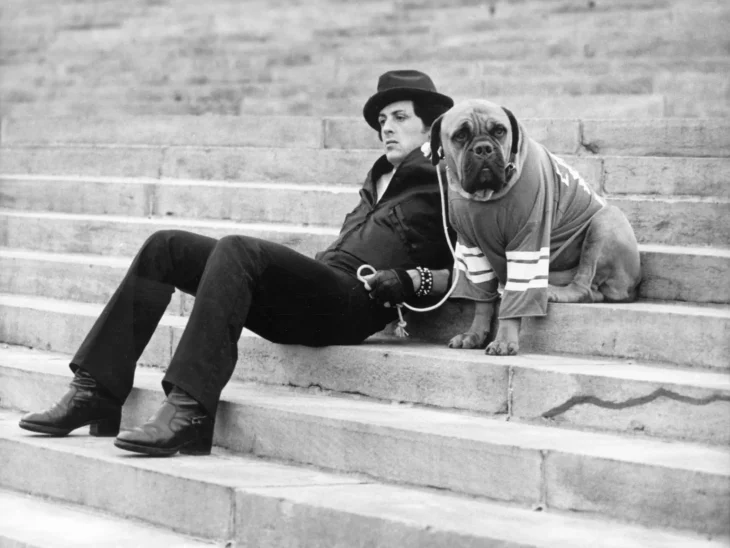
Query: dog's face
[476, 138]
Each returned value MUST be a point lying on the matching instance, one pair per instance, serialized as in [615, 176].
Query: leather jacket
[402, 230]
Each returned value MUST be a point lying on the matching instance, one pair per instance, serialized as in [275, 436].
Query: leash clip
[400, 330]
[361, 276]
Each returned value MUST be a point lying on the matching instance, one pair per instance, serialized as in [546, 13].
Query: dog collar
[515, 141]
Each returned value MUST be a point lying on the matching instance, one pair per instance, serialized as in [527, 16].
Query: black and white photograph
[365, 274]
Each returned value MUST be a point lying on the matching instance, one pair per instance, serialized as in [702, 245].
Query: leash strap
[515, 141]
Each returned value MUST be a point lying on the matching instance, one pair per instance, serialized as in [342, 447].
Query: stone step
[308, 221]
[295, 99]
[656, 137]
[429, 373]
[674, 332]
[118, 235]
[644, 330]
[656, 400]
[316, 204]
[294, 203]
[677, 220]
[441, 36]
[458, 70]
[570, 94]
[655, 483]
[693, 274]
[636, 107]
[607, 174]
[32, 522]
[254, 502]
[69, 276]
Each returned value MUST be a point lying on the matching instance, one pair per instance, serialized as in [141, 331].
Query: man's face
[401, 130]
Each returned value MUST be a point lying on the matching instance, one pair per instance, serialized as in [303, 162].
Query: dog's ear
[437, 151]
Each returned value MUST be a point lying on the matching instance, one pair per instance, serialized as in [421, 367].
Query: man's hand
[390, 287]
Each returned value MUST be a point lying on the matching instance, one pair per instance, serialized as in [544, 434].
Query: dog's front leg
[478, 333]
[507, 340]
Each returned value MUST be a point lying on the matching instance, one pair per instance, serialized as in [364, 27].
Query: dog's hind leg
[609, 268]
[619, 271]
[582, 287]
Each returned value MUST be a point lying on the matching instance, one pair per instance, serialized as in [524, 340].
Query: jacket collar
[414, 169]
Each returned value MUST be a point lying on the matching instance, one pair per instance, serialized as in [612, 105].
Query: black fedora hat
[402, 85]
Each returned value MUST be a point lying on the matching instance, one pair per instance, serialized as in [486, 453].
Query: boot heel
[203, 441]
[106, 428]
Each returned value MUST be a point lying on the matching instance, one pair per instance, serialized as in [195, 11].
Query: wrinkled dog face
[476, 140]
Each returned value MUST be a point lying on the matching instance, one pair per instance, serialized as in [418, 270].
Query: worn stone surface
[685, 274]
[642, 330]
[78, 278]
[273, 505]
[91, 471]
[257, 131]
[667, 176]
[670, 273]
[70, 195]
[97, 234]
[661, 496]
[667, 137]
[63, 331]
[243, 202]
[351, 516]
[65, 526]
[677, 221]
[656, 403]
[582, 391]
[355, 436]
[603, 106]
[558, 135]
[693, 336]
[127, 162]
[251, 202]
[380, 369]
[270, 164]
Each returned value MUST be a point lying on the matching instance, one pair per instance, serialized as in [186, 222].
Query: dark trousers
[238, 282]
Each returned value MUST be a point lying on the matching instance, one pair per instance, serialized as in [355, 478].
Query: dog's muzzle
[483, 166]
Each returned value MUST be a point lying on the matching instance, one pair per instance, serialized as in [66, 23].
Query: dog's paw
[469, 340]
[552, 294]
[502, 348]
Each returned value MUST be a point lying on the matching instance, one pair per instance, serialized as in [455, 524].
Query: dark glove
[391, 286]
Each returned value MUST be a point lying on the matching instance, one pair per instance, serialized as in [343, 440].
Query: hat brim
[382, 99]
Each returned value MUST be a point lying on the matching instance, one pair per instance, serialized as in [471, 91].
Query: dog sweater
[509, 244]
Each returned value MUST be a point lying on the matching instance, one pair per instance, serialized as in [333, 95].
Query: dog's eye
[499, 132]
[460, 136]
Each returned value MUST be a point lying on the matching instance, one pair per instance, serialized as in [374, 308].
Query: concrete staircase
[575, 58]
[611, 429]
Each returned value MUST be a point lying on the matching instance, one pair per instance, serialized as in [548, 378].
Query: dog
[530, 229]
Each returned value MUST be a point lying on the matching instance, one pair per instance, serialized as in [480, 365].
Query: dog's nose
[483, 149]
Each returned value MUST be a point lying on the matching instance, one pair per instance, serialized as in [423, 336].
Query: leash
[400, 330]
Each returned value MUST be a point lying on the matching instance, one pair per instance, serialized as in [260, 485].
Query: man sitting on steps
[285, 297]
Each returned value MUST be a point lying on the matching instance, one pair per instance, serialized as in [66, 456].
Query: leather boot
[181, 424]
[86, 402]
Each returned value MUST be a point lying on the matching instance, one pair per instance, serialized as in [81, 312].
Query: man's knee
[159, 241]
[240, 244]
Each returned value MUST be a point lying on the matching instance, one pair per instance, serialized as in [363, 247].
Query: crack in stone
[632, 402]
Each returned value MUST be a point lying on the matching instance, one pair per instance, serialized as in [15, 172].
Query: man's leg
[104, 365]
[272, 290]
[169, 259]
[280, 294]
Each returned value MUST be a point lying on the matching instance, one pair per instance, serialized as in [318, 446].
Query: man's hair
[426, 111]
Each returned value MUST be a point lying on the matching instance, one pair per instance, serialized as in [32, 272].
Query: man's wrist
[415, 278]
